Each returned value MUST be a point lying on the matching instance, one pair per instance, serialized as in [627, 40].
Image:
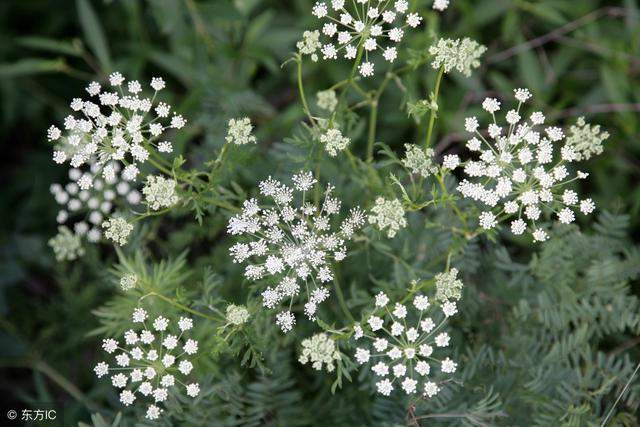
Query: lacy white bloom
[354, 30]
[128, 282]
[419, 161]
[462, 55]
[160, 192]
[66, 245]
[334, 141]
[87, 207]
[149, 364]
[516, 175]
[448, 286]
[117, 230]
[407, 352]
[586, 140]
[310, 44]
[239, 132]
[289, 244]
[440, 5]
[237, 314]
[327, 100]
[321, 351]
[117, 127]
[388, 214]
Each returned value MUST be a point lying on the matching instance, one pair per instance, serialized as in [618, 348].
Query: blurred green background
[222, 59]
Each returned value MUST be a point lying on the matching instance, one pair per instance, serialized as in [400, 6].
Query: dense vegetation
[546, 334]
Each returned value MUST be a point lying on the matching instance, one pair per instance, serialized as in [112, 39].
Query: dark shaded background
[222, 59]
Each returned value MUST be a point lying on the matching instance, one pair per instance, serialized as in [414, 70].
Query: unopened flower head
[239, 132]
[407, 345]
[388, 215]
[321, 351]
[356, 30]
[86, 208]
[448, 286]
[291, 244]
[310, 44]
[517, 175]
[151, 363]
[334, 141]
[419, 161]
[117, 230]
[586, 140]
[237, 314]
[128, 282]
[160, 192]
[117, 126]
[462, 55]
[327, 100]
[66, 245]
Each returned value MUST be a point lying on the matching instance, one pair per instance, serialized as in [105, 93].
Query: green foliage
[546, 335]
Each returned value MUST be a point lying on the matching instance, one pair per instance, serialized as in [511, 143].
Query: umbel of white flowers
[357, 29]
[66, 245]
[287, 244]
[160, 192]
[239, 132]
[404, 345]
[86, 209]
[388, 215]
[419, 161]
[117, 127]
[462, 55]
[151, 363]
[517, 175]
[237, 314]
[117, 230]
[321, 351]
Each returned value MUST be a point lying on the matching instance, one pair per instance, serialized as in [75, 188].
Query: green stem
[159, 167]
[305, 105]
[434, 113]
[373, 121]
[222, 204]
[349, 80]
[445, 192]
[373, 118]
[342, 302]
[180, 306]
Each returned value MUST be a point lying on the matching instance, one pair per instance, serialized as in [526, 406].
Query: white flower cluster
[359, 25]
[585, 139]
[327, 100]
[419, 161]
[321, 351]
[114, 129]
[448, 286]
[239, 132]
[388, 214]
[128, 282]
[291, 244]
[237, 314]
[88, 208]
[440, 5]
[66, 245]
[334, 141]
[150, 363]
[516, 173]
[117, 229]
[160, 192]
[462, 55]
[406, 346]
